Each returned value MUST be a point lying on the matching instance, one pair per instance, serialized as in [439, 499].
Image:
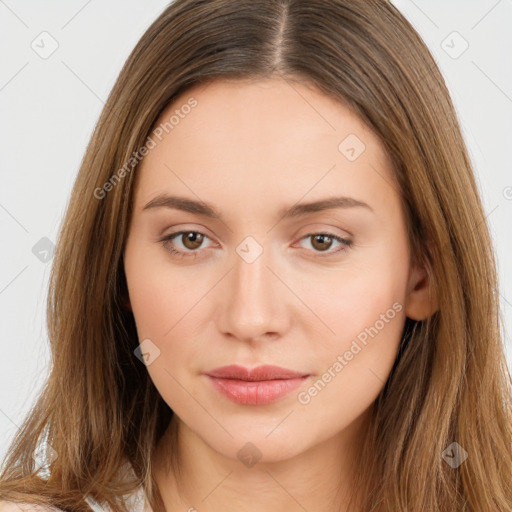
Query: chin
[255, 447]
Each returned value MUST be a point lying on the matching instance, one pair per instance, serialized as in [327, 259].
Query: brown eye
[321, 242]
[192, 240]
[183, 244]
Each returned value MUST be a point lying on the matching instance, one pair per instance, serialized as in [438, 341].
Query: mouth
[257, 386]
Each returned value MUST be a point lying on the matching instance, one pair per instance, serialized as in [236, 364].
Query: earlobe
[421, 301]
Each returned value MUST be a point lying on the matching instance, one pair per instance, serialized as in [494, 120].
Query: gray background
[49, 106]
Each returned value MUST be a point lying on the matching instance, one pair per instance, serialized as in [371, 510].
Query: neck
[207, 481]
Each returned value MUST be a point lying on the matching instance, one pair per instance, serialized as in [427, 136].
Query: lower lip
[256, 392]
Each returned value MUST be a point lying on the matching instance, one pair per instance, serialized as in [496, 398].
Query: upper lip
[265, 372]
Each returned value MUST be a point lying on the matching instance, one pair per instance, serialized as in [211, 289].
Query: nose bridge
[253, 304]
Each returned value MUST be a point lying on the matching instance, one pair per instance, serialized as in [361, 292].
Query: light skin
[251, 149]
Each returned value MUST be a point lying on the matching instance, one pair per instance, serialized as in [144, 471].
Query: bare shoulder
[10, 506]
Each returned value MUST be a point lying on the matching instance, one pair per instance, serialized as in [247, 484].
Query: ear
[421, 301]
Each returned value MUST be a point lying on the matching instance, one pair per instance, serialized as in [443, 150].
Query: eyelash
[346, 243]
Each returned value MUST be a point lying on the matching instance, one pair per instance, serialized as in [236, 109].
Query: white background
[48, 108]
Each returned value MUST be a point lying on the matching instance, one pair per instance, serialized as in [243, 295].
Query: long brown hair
[450, 382]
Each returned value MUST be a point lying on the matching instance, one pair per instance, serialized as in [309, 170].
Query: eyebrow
[297, 210]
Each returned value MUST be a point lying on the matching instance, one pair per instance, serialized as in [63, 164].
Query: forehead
[261, 138]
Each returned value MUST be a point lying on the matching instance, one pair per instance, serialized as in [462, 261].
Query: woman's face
[258, 277]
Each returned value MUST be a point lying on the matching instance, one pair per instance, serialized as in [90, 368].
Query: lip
[255, 386]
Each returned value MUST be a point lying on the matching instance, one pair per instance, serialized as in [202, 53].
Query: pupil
[193, 240]
[322, 239]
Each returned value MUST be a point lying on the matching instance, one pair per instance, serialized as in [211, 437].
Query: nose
[254, 303]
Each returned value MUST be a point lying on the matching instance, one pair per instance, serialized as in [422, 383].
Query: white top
[136, 503]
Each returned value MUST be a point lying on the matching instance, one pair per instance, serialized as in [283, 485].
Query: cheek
[352, 368]
[167, 305]
[158, 303]
[159, 297]
[353, 296]
[364, 306]
[362, 302]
